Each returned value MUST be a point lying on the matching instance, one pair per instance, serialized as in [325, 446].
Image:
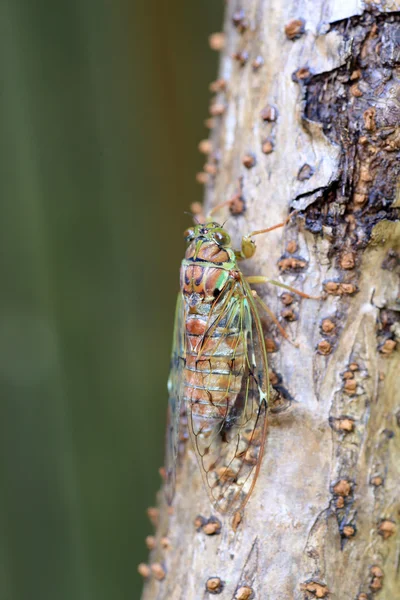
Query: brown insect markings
[211, 385]
[199, 280]
[208, 251]
[222, 380]
[213, 370]
[200, 283]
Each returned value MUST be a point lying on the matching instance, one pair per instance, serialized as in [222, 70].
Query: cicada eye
[222, 238]
[189, 234]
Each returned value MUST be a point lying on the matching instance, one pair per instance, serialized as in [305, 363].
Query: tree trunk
[311, 112]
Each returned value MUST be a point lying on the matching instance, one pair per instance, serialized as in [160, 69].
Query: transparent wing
[174, 402]
[227, 408]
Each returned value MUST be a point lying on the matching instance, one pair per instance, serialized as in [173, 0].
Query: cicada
[219, 369]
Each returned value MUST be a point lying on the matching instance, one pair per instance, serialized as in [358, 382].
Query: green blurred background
[101, 106]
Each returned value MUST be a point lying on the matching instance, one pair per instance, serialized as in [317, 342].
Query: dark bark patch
[388, 322]
[158, 571]
[249, 160]
[314, 589]
[291, 264]
[376, 480]
[214, 585]
[328, 326]
[302, 75]
[342, 424]
[391, 261]
[269, 113]
[242, 56]
[343, 488]
[199, 522]
[339, 288]
[305, 172]
[358, 106]
[288, 314]
[212, 526]
[342, 504]
[239, 20]
[386, 528]
[244, 592]
[324, 347]
[237, 204]
[267, 146]
[144, 570]
[295, 29]
[257, 63]
[376, 578]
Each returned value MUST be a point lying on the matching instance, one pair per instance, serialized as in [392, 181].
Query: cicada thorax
[203, 250]
[205, 272]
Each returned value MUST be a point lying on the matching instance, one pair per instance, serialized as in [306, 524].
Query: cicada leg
[268, 229]
[273, 318]
[248, 245]
[261, 279]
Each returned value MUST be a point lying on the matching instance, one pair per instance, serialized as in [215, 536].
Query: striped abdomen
[213, 372]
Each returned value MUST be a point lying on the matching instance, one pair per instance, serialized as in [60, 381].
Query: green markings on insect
[219, 371]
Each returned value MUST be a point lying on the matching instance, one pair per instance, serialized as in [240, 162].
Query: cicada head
[208, 242]
[211, 231]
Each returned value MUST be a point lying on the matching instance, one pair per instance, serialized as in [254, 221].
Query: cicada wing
[174, 401]
[228, 429]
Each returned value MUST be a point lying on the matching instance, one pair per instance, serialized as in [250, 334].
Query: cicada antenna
[197, 212]
[195, 219]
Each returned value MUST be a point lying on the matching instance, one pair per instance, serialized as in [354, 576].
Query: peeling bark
[317, 108]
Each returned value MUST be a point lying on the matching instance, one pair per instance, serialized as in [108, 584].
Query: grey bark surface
[323, 518]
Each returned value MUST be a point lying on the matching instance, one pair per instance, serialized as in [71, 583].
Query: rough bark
[325, 108]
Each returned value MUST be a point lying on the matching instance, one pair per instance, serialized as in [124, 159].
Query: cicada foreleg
[273, 318]
[254, 279]
[248, 245]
